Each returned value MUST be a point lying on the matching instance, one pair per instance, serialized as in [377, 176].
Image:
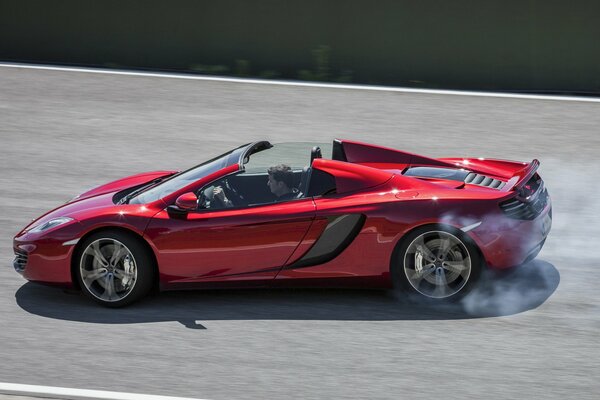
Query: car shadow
[513, 292]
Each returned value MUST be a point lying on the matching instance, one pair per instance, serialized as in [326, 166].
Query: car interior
[249, 187]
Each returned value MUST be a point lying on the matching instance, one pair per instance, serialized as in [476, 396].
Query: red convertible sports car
[282, 215]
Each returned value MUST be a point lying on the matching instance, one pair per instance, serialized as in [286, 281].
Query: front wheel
[114, 269]
[438, 263]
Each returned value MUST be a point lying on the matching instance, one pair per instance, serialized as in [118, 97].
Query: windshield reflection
[185, 178]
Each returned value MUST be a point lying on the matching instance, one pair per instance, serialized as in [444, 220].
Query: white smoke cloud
[570, 250]
[511, 292]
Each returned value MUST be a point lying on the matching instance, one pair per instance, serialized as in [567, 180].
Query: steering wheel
[202, 199]
[232, 194]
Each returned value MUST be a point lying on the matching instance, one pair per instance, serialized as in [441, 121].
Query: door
[246, 243]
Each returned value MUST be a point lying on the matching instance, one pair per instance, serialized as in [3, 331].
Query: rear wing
[521, 177]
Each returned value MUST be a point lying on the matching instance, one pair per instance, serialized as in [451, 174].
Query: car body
[368, 216]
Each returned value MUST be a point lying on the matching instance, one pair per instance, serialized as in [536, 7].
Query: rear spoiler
[521, 176]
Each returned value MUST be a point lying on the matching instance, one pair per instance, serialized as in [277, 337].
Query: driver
[281, 182]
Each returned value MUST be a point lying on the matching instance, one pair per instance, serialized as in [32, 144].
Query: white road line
[76, 394]
[301, 84]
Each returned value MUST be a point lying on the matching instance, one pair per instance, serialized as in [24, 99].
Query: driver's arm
[219, 194]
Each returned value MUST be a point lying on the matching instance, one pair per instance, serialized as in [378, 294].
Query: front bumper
[46, 258]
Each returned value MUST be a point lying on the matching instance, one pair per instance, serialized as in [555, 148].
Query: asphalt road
[531, 334]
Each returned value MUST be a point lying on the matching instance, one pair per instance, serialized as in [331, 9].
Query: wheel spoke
[417, 276]
[441, 285]
[109, 286]
[94, 251]
[94, 275]
[117, 254]
[446, 245]
[121, 274]
[456, 266]
[124, 277]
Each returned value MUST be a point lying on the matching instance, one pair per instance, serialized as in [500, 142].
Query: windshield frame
[232, 160]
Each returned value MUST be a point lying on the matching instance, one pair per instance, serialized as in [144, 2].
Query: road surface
[531, 334]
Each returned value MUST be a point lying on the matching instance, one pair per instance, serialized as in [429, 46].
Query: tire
[114, 268]
[437, 264]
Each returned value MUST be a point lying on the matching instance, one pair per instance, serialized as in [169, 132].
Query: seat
[315, 153]
[303, 185]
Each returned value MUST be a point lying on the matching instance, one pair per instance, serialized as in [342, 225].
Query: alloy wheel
[108, 269]
[437, 264]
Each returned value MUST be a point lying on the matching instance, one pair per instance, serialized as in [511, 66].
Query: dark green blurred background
[527, 45]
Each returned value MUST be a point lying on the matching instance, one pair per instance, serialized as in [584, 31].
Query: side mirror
[187, 201]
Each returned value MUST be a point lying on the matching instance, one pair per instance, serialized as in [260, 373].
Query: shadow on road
[519, 290]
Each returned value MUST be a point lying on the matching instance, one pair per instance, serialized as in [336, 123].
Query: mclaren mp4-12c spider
[264, 215]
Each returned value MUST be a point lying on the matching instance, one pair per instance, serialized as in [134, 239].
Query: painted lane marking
[301, 84]
[77, 394]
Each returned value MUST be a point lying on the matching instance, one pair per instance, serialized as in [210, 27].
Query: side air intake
[20, 262]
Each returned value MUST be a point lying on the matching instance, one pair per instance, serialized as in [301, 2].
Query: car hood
[95, 199]
[73, 209]
[124, 183]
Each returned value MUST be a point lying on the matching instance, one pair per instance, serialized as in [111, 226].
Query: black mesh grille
[520, 209]
[20, 261]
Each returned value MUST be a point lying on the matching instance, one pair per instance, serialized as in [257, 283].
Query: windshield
[293, 154]
[183, 179]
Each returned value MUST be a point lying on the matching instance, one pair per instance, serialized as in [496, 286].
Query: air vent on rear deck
[482, 180]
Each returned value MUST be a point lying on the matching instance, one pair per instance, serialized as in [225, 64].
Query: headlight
[50, 224]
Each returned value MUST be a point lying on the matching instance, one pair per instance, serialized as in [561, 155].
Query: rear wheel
[438, 263]
[114, 269]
